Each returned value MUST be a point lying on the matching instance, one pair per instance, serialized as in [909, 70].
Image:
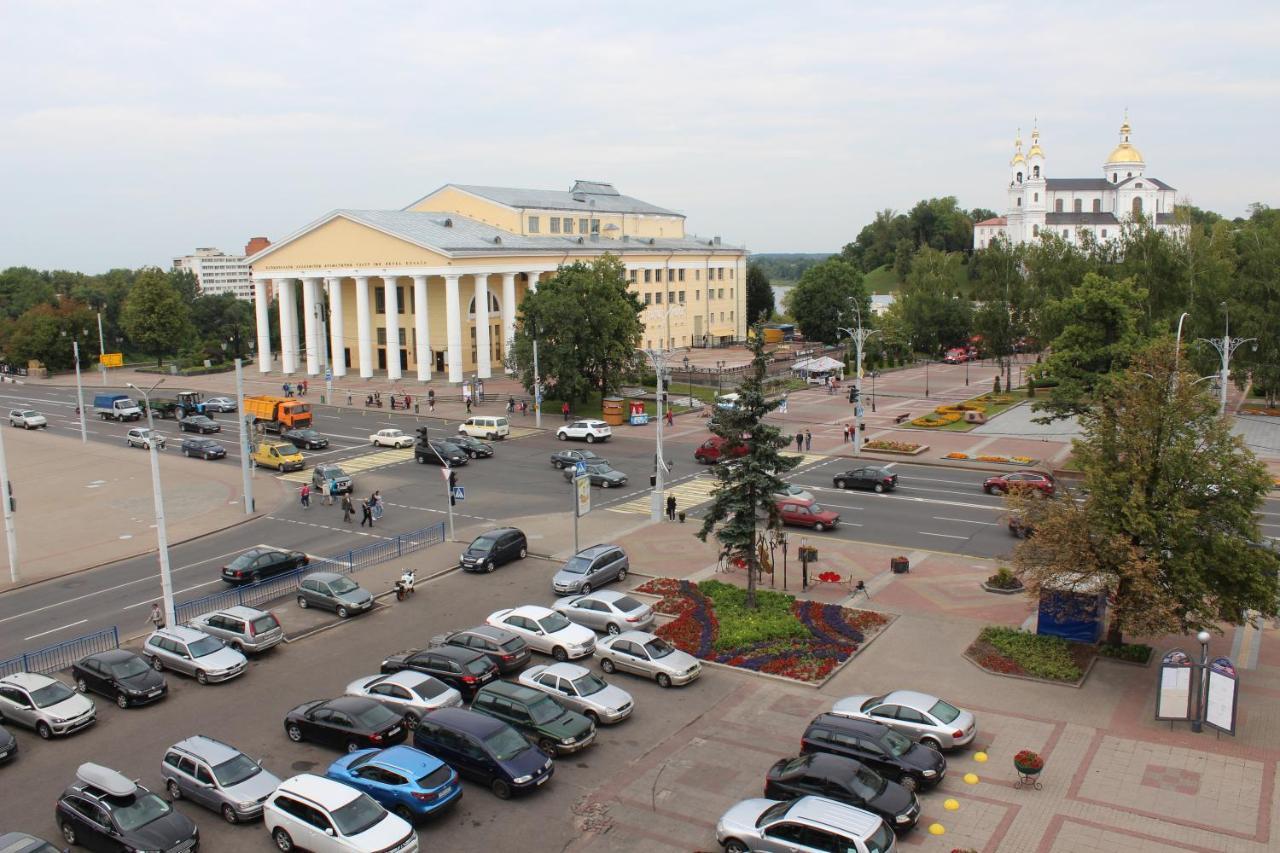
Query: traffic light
[424, 433]
[854, 393]
[453, 482]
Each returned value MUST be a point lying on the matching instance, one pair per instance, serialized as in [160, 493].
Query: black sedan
[892, 755]
[8, 746]
[258, 563]
[200, 424]
[442, 453]
[602, 474]
[121, 675]
[465, 670]
[844, 780]
[306, 438]
[570, 458]
[473, 447]
[348, 723]
[205, 448]
[876, 479]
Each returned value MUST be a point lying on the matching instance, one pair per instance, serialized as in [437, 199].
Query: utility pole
[10, 532]
[245, 480]
[860, 337]
[659, 464]
[1226, 347]
[84, 430]
[102, 351]
[162, 537]
[447, 471]
[537, 384]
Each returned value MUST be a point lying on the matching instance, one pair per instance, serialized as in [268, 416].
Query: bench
[902, 417]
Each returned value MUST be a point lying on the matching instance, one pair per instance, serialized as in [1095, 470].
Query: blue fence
[62, 655]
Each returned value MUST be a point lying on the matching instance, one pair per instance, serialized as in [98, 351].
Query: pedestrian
[366, 513]
[782, 407]
[157, 615]
[431, 400]
[524, 409]
[799, 441]
[671, 418]
[347, 508]
[333, 490]
[306, 385]
[285, 388]
[467, 400]
[671, 507]
[564, 409]
[511, 405]
[305, 494]
[808, 440]
[348, 398]
[479, 392]
[846, 433]
[831, 386]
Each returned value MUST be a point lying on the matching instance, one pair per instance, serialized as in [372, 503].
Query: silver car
[333, 591]
[921, 717]
[607, 610]
[195, 653]
[142, 437]
[591, 568]
[245, 629]
[217, 776]
[807, 823]
[579, 689]
[219, 404]
[648, 655]
[413, 694]
[27, 419]
[44, 704]
[546, 631]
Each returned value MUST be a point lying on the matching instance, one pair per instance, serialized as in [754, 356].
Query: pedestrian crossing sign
[459, 493]
[580, 469]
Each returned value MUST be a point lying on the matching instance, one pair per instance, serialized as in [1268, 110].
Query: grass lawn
[992, 410]
[882, 280]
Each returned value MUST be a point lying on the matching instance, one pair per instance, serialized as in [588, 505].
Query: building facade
[1072, 207]
[432, 290]
[217, 272]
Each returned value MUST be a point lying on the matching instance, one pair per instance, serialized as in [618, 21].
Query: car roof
[242, 611]
[511, 690]
[612, 595]
[595, 550]
[838, 816]
[207, 749]
[635, 636]
[491, 632]
[499, 531]
[28, 680]
[911, 698]
[325, 793]
[407, 678]
[835, 721]
[21, 842]
[111, 655]
[182, 632]
[471, 722]
[351, 704]
[567, 670]
[412, 762]
[323, 576]
[458, 653]
[829, 765]
[530, 611]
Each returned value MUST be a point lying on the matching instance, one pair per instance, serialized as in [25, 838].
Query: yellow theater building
[432, 290]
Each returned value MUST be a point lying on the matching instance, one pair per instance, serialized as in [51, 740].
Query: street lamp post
[75, 350]
[719, 376]
[10, 532]
[860, 337]
[162, 539]
[537, 384]
[102, 351]
[659, 464]
[1226, 347]
[246, 478]
[688, 379]
[1177, 350]
[1197, 722]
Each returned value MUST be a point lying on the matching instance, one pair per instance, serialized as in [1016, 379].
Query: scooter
[404, 586]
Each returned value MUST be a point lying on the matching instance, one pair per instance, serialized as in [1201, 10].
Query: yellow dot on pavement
[951, 805]
[971, 778]
[936, 829]
[980, 757]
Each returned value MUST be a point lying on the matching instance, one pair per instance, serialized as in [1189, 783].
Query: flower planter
[900, 565]
[1002, 591]
[1028, 764]
[867, 448]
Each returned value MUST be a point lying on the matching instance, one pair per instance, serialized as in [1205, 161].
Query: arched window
[494, 308]
[1035, 196]
[1035, 171]
[1019, 201]
[1079, 205]
[1035, 230]
[1057, 205]
[1114, 177]
[1019, 177]
[1097, 205]
[1128, 175]
[1137, 205]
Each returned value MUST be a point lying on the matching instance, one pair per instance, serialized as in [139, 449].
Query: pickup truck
[116, 407]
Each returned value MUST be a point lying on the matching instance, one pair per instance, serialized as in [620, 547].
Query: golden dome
[1017, 158]
[1035, 151]
[1125, 153]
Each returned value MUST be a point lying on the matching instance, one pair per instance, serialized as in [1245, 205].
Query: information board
[1220, 706]
[1173, 696]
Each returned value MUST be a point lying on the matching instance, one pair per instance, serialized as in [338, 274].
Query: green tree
[22, 288]
[155, 316]
[759, 294]
[745, 487]
[588, 328]
[824, 293]
[1255, 303]
[935, 316]
[222, 318]
[1167, 522]
[45, 333]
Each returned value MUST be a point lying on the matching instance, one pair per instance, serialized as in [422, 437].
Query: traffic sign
[459, 493]
[857, 411]
[580, 469]
[445, 472]
[328, 375]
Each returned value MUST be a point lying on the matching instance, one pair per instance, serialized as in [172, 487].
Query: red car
[956, 356]
[806, 513]
[1002, 483]
[712, 450]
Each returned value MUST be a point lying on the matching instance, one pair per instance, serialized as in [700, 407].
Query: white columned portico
[262, 312]
[453, 319]
[422, 343]
[391, 300]
[484, 351]
[338, 363]
[288, 298]
[364, 326]
[508, 313]
[311, 324]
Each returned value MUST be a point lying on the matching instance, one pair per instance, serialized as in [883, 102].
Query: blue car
[407, 781]
[484, 749]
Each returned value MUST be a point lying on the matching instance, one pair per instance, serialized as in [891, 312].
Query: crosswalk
[380, 459]
[697, 490]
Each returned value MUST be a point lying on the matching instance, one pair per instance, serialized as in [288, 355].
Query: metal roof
[585, 197]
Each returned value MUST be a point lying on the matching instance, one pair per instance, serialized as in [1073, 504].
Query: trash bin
[611, 411]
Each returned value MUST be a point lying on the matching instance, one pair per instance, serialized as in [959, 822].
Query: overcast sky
[132, 132]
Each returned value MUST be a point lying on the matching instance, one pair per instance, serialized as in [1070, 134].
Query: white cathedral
[1068, 207]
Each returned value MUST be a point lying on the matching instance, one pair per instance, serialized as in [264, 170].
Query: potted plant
[900, 565]
[1028, 763]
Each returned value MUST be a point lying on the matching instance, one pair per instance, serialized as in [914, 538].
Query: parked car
[474, 448]
[44, 704]
[606, 610]
[546, 631]
[104, 810]
[462, 669]
[579, 689]
[217, 776]
[924, 718]
[507, 651]
[488, 427]
[8, 749]
[324, 474]
[333, 591]
[588, 430]
[347, 722]
[194, 653]
[602, 474]
[306, 438]
[205, 448]
[956, 355]
[309, 812]
[245, 629]
[439, 452]
[21, 842]
[494, 548]
[869, 477]
[484, 749]
[890, 754]
[280, 455]
[591, 568]
[407, 781]
[410, 694]
[570, 458]
[220, 404]
[258, 563]
[713, 450]
[807, 514]
[545, 722]
[142, 437]
[27, 419]
[844, 780]
[121, 675]
[1019, 481]
[642, 653]
[794, 492]
[809, 823]
[200, 424]
[391, 438]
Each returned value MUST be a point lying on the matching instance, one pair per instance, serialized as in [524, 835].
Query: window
[1097, 205]
[1137, 206]
[720, 273]
[720, 293]
[1035, 230]
[1035, 196]
[711, 292]
[400, 299]
[730, 315]
[648, 298]
[697, 296]
[1128, 175]
[1138, 185]
[1057, 205]
[555, 225]
[648, 275]
[631, 274]
[1019, 177]
[657, 297]
[1019, 202]
[682, 297]
[697, 275]
[595, 226]
[657, 275]
[1078, 205]
[533, 225]
[731, 289]
[1104, 233]
[379, 301]
[1114, 177]
[731, 273]
[382, 336]
[582, 226]
[568, 225]
[681, 274]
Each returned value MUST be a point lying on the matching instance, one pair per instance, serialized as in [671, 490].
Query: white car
[141, 437]
[309, 812]
[546, 631]
[589, 431]
[390, 438]
[27, 419]
[44, 704]
[413, 694]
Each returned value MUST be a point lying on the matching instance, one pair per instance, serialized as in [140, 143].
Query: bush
[1004, 578]
[1132, 652]
[739, 627]
[1039, 656]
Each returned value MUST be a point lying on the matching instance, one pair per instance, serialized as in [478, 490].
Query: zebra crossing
[356, 464]
[697, 490]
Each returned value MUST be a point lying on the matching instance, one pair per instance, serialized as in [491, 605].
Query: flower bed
[1003, 460]
[907, 447]
[802, 640]
[1009, 651]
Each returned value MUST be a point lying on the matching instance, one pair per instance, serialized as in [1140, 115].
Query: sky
[131, 133]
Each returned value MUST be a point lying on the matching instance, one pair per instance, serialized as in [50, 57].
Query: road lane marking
[54, 630]
[944, 535]
[965, 520]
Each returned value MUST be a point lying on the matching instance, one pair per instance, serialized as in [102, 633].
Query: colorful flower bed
[893, 446]
[1009, 651]
[803, 640]
[1006, 460]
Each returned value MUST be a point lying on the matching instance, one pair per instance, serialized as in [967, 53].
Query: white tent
[822, 364]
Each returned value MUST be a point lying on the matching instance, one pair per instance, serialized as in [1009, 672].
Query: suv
[104, 810]
[120, 674]
[27, 419]
[203, 447]
[258, 563]
[537, 716]
[193, 652]
[508, 652]
[809, 823]
[844, 780]
[327, 473]
[141, 437]
[465, 670]
[311, 812]
[333, 591]
[590, 431]
[439, 452]
[879, 747]
[492, 549]
[44, 704]
[485, 749]
[591, 568]
[485, 426]
[217, 776]
[245, 629]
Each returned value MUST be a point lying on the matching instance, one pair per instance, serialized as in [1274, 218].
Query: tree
[759, 294]
[745, 487]
[588, 328]
[1256, 302]
[22, 288]
[222, 318]
[824, 291]
[935, 316]
[187, 285]
[1167, 522]
[155, 316]
[45, 333]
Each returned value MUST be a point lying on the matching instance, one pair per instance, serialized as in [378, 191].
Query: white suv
[592, 431]
[27, 419]
[313, 813]
[140, 436]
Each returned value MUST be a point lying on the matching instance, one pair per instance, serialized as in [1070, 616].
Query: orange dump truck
[278, 413]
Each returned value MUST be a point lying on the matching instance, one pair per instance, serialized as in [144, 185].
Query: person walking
[479, 391]
[808, 440]
[846, 433]
[331, 493]
[564, 410]
[348, 508]
[366, 513]
[305, 495]
[285, 388]
[467, 400]
[157, 616]
[511, 405]
[799, 441]
[431, 400]
[782, 406]
[671, 418]
[671, 507]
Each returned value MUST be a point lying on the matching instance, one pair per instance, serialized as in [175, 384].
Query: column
[337, 334]
[288, 299]
[508, 313]
[311, 325]
[453, 318]
[262, 311]
[364, 326]
[391, 299]
[484, 353]
[533, 281]
[422, 349]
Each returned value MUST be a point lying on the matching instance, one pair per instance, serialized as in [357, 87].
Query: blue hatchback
[408, 781]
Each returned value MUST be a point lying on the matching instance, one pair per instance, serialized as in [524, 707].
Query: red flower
[1028, 760]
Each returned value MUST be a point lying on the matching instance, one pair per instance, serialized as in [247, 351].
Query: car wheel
[175, 793]
[69, 834]
[186, 453]
[500, 789]
[880, 487]
[557, 465]
[931, 742]
[663, 680]
[561, 436]
[42, 729]
[622, 574]
[591, 439]
[352, 746]
[733, 845]
[256, 577]
[909, 783]
[560, 654]
[122, 700]
[202, 676]
[302, 603]
[604, 484]
[819, 526]
[490, 565]
[343, 613]
[411, 721]
[593, 717]
[607, 665]
[612, 630]
[157, 664]
[404, 814]
[585, 589]
[524, 552]
[547, 745]
[283, 842]
[493, 436]
[229, 814]
[294, 732]
[81, 685]
[471, 454]
[839, 484]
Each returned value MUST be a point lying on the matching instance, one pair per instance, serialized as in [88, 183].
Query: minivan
[484, 749]
[488, 427]
[591, 568]
[333, 591]
[492, 549]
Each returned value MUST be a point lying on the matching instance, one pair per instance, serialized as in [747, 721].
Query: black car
[200, 424]
[8, 748]
[465, 670]
[508, 652]
[569, 458]
[258, 563]
[308, 438]
[602, 474]
[890, 754]
[845, 780]
[206, 448]
[438, 452]
[473, 447]
[121, 675]
[483, 749]
[104, 810]
[493, 548]
[870, 477]
[348, 723]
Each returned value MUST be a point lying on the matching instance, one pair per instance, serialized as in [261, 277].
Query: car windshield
[304, 433]
[944, 711]
[243, 561]
[287, 450]
[342, 586]
[588, 684]
[51, 694]
[359, 815]
[30, 414]
[896, 744]
[204, 646]
[873, 702]
[553, 622]
[658, 648]
[375, 717]
[867, 783]
[484, 545]
[128, 668]
[880, 841]
[544, 710]
[137, 810]
[506, 744]
[774, 812]
[512, 645]
[479, 666]
[626, 604]
[236, 770]
[577, 565]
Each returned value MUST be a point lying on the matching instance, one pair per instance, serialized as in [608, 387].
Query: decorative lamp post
[1197, 722]
[688, 378]
[162, 537]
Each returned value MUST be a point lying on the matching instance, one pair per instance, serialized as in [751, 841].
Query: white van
[727, 401]
[487, 427]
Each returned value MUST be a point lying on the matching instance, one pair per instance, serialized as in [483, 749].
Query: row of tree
[893, 239]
